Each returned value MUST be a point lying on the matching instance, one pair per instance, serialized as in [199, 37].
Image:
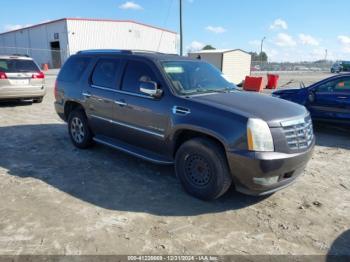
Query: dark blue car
[327, 100]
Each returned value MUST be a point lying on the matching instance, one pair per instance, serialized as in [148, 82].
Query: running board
[133, 150]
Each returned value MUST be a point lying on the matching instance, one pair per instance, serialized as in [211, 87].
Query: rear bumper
[22, 92]
[60, 110]
[249, 169]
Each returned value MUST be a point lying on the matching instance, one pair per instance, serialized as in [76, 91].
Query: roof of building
[90, 20]
[217, 51]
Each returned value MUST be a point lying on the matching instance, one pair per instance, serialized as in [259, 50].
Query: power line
[165, 23]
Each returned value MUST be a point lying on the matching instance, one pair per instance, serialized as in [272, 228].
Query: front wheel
[79, 130]
[202, 168]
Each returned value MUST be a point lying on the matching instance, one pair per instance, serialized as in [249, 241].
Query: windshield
[196, 77]
[17, 65]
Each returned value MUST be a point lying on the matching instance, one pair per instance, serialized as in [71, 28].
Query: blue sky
[294, 30]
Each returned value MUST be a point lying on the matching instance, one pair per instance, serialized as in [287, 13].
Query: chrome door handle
[87, 95]
[342, 97]
[120, 103]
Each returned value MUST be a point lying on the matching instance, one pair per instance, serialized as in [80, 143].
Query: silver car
[21, 78]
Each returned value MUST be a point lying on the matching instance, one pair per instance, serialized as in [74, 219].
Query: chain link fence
[318, 66]
[54, 58]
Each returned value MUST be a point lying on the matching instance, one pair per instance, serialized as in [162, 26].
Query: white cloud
[345, 43]
[195, 46]
[308, 40]
[216, 29]
[343, 39]
[11, 27]
[285, 40]
[130, 6]
[254, 43]
[279, 24]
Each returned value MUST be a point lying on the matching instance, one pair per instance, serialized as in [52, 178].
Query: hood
[254, 105]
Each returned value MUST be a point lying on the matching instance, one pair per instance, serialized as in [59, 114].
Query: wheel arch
[70, 106]
[183, 134]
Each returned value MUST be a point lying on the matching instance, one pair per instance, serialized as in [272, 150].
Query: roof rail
[22, 55]
[119, 51]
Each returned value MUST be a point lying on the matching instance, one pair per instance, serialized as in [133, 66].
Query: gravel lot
[56, 199]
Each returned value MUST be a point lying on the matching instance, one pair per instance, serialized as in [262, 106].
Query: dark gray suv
[169, 109]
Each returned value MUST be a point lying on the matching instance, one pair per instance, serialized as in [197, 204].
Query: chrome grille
[299, 134]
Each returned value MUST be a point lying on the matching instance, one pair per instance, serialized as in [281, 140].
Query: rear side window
[135, 72]
[18, 65]
[343, 86]
[105, 73]
[73, 69]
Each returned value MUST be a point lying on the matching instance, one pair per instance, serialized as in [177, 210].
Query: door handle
[342, 97]
[87, 95]
[120, 103]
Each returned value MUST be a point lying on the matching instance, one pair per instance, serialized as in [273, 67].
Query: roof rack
[121, 51]
[105, 51]
[22, 55]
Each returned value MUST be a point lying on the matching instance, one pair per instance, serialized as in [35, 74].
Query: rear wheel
[38, 100]
[202, 168]
[79, 130]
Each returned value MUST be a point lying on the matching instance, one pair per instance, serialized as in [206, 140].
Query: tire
[202, 168]
[38, 100]
[79, 130]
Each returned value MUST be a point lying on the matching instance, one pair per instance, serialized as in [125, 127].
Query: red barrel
[272, 81]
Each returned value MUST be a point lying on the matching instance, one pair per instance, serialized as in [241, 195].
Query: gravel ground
[55, 199]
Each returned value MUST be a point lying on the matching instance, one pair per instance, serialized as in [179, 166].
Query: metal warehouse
[235, 64]
[53, 42]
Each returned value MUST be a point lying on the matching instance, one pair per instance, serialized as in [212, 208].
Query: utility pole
[181, 32]
[261, 51]
[326, 55]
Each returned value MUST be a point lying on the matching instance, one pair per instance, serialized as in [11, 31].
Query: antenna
[181, 32]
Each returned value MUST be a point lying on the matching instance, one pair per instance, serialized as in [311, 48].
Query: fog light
[266, 181]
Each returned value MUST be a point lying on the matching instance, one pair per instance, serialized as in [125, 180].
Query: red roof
[90, 19]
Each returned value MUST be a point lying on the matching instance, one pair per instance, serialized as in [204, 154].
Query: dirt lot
[55, 199]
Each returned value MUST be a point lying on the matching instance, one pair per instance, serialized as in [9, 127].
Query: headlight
[259, 136]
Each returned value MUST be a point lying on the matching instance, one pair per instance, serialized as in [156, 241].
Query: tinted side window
[105, 73]
[135, 72]
[327, 87]
[73, 69]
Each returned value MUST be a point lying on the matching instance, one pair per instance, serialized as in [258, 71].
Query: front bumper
[16, 92]
[248, 167]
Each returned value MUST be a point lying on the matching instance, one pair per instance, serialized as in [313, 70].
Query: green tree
[262, 57]
[208, 47]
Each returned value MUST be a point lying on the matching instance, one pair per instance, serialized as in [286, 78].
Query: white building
[235, 64]
[53, 42]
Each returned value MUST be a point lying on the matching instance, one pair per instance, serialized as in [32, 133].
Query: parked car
[169, 109]
[21, 78]
[327, 100]
[340, 66]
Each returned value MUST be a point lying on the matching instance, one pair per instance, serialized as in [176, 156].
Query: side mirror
[150, 88]
[312, 95]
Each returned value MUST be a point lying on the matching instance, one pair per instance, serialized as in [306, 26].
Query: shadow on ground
[332, 135]
[102, 176]
[340, 249]
[15, 103]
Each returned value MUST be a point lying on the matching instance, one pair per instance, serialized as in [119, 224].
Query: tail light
[3, 75]
[38, 75]
[55, 90]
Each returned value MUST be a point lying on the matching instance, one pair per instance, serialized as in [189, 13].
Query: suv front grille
[299, 134]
